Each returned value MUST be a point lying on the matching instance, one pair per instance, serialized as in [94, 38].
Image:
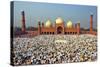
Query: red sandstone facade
[58, 28]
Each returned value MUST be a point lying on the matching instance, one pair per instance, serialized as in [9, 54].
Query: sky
[37, 11]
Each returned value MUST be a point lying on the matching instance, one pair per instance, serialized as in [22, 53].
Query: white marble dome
[48, 23]
[59, 20]
[69, 24]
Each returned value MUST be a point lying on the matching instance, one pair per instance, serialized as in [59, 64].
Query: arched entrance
[59, 30]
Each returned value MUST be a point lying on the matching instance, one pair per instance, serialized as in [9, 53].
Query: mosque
[59, 27]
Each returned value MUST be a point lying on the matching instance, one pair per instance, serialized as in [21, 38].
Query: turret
[23, 22]
[39, 28]
[78, 28]
[91, 23]
[42, 24]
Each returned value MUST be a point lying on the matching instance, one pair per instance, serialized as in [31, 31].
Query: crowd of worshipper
[44, 49]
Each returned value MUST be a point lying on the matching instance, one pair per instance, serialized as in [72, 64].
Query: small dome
[48, 23]
[69, 24]
[59, 20]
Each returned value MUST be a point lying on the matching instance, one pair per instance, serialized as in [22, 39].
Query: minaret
[91, 23]
[23, 21]
[42, 24]
[78, 28]
[76, 25]
[39, 28]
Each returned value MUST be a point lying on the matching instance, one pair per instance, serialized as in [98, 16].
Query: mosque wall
[70, 29]
[53, 30]
[46, 30]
